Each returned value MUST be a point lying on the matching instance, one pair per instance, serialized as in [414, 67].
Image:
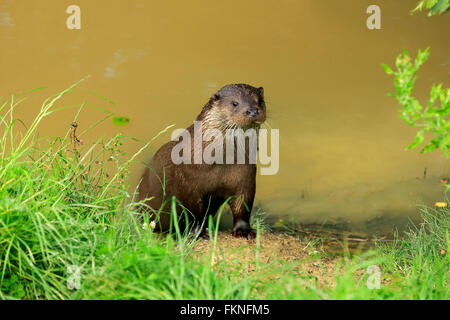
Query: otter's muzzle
[252, 112]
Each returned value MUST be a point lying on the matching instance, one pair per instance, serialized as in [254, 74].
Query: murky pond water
[342, 144]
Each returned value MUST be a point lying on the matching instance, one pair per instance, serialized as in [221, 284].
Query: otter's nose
[252, 112]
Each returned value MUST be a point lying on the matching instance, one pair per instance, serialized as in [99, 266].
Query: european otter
[203, 188]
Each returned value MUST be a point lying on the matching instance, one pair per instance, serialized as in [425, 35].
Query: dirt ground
[304, 257]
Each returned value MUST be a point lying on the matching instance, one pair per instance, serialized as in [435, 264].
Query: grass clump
[419, 260]
[148, 269]
[53, 207]
[70, 229]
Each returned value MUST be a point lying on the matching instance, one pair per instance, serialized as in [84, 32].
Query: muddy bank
[333, 235]
[307, 258]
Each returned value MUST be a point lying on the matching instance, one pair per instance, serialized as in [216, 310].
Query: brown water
[342, 148]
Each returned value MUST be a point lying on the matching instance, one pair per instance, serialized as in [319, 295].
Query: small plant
[432, 118]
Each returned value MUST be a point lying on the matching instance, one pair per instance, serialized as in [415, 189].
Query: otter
[202, 188]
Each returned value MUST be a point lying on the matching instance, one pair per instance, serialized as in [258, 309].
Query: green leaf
[431, 3]
[387, 69]
[419, 6]
[435, 6]
[120, 121]
[430, 147]
[445, 143]
[418, 140]
[440, 7]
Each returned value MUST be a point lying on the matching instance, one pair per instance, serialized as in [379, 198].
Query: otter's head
[235, 106]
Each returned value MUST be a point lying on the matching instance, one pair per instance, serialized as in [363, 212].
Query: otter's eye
[235, 104]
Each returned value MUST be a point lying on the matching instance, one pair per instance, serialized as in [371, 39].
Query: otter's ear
[261, 91]
[215, 97]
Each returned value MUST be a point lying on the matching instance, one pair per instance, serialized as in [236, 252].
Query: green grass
[421, 257]
[66, 207]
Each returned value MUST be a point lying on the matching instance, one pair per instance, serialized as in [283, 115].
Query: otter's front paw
[242, 229]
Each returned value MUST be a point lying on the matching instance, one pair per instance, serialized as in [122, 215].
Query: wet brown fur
[203, 188]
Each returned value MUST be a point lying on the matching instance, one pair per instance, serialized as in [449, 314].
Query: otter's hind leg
[241, 207]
